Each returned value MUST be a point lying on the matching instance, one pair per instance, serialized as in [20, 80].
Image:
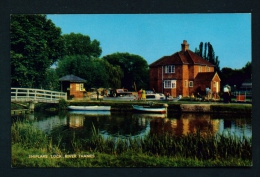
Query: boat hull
[89, 113]
[90, 108]
[149, 109]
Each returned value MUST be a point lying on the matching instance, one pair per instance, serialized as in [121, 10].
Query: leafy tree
[236, 76]
[134, 67]
[91, 69]
[51, 81]
[115, 74]
[79, 44]
[36, 43]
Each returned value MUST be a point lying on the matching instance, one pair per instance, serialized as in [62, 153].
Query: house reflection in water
[187, 123]
[76, 121]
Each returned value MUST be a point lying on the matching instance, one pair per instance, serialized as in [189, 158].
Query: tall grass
[191, 146]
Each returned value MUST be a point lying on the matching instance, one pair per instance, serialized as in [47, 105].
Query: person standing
[143, 95]
[139, 94]
[167, 95]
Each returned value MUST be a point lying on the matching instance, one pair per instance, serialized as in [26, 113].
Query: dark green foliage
[135, 69]
[36, 43]
[51, 81]
[79, 44]
[236, 76]
[94, 70]
[208, 54]
[62, 104]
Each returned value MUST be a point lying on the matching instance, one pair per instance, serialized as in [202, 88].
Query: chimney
[184, 46]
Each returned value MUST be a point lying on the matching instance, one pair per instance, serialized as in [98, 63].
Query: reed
[191, 146]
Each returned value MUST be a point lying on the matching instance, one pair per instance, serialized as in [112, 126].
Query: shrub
[62, 104]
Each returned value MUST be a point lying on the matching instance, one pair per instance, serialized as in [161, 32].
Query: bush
[62, 104]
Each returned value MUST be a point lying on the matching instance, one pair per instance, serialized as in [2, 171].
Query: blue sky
[153, 36]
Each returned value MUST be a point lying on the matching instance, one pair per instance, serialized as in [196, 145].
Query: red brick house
[183, 73]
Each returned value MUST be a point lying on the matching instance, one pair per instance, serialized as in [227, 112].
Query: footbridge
[36, 96]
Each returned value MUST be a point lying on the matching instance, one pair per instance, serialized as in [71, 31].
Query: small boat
[149, 109]
[89, 113]
[90, 108]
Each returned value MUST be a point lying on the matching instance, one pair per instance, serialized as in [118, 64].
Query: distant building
[246, 85]
[73, 85]
[183, 73]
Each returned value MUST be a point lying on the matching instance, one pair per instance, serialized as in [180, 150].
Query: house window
[207, 69]
[80, 87]
[185, 83]
[170, 84]
[214, 84]
[191, 84]
[200, 69]
[170, 69]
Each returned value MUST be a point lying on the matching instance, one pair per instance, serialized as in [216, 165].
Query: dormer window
[170, 69]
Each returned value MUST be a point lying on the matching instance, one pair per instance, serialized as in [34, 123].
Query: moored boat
[89, 113]
[90, 108]
[149, 109]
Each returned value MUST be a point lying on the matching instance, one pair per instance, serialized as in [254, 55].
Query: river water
[129, 124]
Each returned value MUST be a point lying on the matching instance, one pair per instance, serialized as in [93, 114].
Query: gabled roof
[71, 78]
[206, 76]
[187, 57]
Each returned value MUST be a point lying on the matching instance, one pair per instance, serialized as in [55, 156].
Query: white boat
[90, 108]
[89, 113]
[149, 109]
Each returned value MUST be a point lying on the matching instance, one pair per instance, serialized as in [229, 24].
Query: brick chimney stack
[184, 46]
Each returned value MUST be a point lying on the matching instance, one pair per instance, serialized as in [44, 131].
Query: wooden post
[31, 106]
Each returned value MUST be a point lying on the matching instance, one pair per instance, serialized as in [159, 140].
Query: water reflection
[131, 125]
[185, 124]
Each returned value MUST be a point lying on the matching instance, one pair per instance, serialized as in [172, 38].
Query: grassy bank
[33, 148]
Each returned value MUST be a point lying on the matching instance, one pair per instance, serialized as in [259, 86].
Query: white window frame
[169, 84]
[80, 87]
[200, 69]
[169, 69]
[190, 83]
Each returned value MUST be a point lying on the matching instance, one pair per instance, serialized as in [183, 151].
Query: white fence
[36, 95]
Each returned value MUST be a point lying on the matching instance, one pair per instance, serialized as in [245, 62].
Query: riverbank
[123, 106]
[178, 107]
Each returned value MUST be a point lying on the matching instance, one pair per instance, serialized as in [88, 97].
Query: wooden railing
[36, 95]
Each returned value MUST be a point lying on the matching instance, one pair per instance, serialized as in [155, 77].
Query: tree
[79, 44]
[51, 81]
[36, 43]
[236, 76]
[134, 67]
[115, 74]
[208, 54]
[93, 70]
